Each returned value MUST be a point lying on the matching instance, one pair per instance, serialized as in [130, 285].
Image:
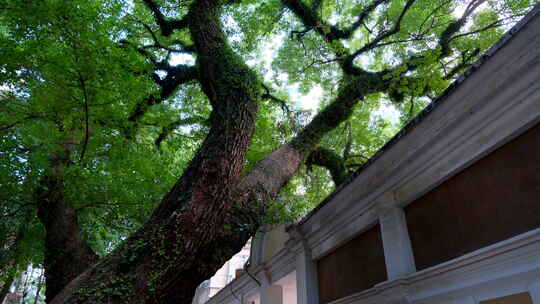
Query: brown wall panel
[494, 199]
[520, 298]
[353, 267]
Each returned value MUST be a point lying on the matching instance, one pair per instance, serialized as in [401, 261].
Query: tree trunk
[66, 253]
[212, 210]
[192, 232]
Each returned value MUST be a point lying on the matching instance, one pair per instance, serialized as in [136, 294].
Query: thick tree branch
[330, 160]
[167, 26]
[311, 20]
[352, 90]
[63, 241]
[176, 76]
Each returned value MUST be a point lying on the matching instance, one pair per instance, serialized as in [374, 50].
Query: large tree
[107, 103]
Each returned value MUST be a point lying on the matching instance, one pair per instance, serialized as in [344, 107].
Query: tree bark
[66, 254]
[212, 210]
[193, 231]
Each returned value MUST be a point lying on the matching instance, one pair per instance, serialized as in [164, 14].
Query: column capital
[297, 242]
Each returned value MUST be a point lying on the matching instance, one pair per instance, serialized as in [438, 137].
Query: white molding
[271, 294]
[307, 286]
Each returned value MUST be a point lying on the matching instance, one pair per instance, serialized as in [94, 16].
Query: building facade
[228, 272]
[448, 212]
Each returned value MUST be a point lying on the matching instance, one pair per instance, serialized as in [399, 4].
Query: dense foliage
[98, 93]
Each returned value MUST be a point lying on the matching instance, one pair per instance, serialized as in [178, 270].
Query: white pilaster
[398, 252]
[271, 294]
[256, 252]
[307, 286]
[534, 291]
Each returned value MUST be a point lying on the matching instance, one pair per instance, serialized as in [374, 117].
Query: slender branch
[86, 124]
[432, 13]
[413, 62]
[466, 60]
[284, 107]
[22, 120]
[314, 62]
[282, 103]
[348, 145]
[494, 24]
[471, 8]
[347, 32]
[383, 35]
[11, 125]
[39, 286]
[157, 44]
[411, 109]
[140, 50]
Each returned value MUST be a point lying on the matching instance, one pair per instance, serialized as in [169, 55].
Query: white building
[228, 272]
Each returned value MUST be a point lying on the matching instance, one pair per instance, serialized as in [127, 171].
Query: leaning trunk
[193, 231]
[212, 210]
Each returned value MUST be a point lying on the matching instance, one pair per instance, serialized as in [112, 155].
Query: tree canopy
[142, 142]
